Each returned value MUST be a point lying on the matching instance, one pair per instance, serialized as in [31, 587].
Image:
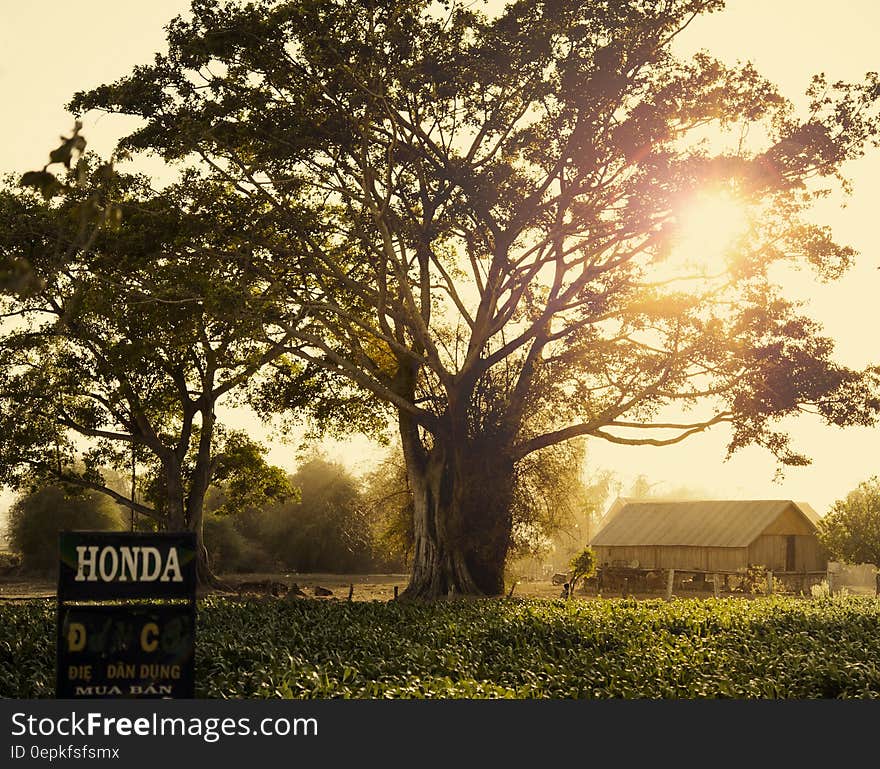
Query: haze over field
[43, 63]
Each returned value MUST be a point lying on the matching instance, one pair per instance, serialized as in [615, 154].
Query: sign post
[126, 615]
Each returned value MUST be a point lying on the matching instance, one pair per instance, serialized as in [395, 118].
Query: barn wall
[618, 556]
[810, 555]
[769, 548]
[768, 551]
[790, 521]
[708, 559]
[726, 558]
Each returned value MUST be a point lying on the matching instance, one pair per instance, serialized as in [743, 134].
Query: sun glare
[707, 228]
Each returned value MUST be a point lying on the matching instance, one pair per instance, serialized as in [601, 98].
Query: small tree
[851, 531]
[583, 565]
[36, 518]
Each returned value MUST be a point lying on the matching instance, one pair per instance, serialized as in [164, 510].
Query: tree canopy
[851, 530]
[139, 315]
[482, 214]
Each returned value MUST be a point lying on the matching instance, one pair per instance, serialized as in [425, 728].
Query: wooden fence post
[670, 578]
[350, 591]
[395, 592]
[716, 584]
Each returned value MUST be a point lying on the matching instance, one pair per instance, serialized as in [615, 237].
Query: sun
[709, 225]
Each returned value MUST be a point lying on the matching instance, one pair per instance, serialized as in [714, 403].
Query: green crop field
[766, 648]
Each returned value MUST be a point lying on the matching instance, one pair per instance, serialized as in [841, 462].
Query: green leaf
[44, 181]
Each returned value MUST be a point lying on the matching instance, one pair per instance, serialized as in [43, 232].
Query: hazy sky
[51, 48]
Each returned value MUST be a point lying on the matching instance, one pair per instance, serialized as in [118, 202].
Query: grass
[767, 648]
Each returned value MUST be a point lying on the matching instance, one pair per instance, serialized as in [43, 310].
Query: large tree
[487, 208]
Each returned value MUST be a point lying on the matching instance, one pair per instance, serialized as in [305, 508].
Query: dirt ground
[366, 587]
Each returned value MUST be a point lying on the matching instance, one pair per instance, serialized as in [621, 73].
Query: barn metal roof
[700, 523]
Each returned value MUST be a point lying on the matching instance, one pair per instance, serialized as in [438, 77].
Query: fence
[627, 581]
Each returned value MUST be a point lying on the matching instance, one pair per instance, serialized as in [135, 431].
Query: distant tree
[232, 550]
[553, 507]
[484, 212]
[388, 501]
[244, 486]
[36, 518]
[851, 530]
[547, 495]
[643, 487]
[326, 528]
[591, 498]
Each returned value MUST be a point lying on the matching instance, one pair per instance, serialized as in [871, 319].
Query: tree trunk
[195, 500]
[205, 575]
[188, 515]
[462, 522]
[174, 485]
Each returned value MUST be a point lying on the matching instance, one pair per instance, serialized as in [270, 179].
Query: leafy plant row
[769, 648]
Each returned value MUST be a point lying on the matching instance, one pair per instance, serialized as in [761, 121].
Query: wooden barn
[710, 536]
